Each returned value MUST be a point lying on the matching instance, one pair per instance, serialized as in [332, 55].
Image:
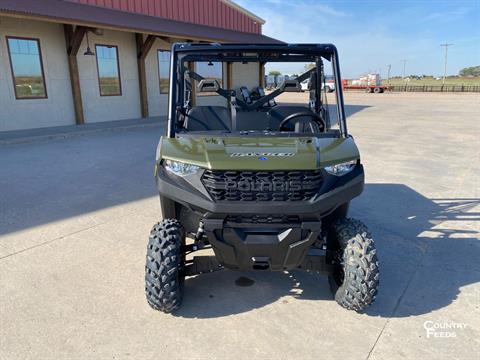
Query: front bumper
[261, 246]
[334, 192]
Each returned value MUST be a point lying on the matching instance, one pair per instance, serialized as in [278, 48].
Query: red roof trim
[69, 12]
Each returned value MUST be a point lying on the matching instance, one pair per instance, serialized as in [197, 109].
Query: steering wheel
[312, 118]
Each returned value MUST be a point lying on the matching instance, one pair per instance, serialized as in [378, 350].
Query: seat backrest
[245, 94]
[261, 92]
[252, 120]
[204, 118]
[280, 112]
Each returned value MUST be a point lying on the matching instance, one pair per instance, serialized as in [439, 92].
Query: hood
[258, 153]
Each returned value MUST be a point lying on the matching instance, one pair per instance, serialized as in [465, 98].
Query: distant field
[29, 86]
[431, 81]
[110, 86]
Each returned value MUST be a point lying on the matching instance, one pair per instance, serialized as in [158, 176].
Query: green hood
[258, 153]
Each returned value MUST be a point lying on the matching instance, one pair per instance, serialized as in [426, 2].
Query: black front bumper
[261, 246]
[334, 192]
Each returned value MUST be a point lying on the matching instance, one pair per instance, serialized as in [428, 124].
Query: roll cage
[182, 76]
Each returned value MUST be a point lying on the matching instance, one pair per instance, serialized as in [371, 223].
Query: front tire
[355, 280]
[164, 267]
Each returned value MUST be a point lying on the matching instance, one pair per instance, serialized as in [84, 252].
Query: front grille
[228, 185]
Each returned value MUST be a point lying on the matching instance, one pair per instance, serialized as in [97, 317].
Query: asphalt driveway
[75, 214]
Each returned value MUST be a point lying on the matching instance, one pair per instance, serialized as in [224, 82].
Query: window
[108, 70]
[27, 68]
[210, 70]
[164, 70]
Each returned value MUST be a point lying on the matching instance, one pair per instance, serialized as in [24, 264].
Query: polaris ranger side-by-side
[266, 186]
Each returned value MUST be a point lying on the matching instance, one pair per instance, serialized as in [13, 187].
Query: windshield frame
[290, 52]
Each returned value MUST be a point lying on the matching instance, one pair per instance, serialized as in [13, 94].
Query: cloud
[447, 16]
[321, 9]
[275, 2]
[310, 7]
[370, 38]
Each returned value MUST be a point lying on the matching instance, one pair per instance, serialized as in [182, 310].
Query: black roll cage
[184, 52]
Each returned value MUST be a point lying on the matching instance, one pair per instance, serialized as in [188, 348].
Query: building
[66, 62]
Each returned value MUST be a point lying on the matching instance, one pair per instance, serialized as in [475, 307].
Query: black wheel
[164, 268]
[377, 90]
[355, 280]
[368, 90]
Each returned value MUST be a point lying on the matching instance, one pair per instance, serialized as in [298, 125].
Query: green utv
[267, 186]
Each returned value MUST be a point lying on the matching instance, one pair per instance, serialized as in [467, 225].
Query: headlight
[342, 168]
[179, 168]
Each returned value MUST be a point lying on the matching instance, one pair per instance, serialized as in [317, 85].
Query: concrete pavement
[75, 215]
[68, 131]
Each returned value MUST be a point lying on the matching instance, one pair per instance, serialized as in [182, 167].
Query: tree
[309, 66]
[274, 73]
[470, 71]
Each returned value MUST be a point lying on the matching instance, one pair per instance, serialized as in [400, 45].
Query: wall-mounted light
[89, 51]
[97, 31]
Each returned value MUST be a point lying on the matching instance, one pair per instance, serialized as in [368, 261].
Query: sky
[373, 34]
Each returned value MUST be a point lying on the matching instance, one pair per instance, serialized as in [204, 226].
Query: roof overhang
[92, 16]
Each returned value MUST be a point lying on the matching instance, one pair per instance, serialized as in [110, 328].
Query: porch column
[73, 39]
[193, 94]
[143, 48]
[229, 75]
[261, 74]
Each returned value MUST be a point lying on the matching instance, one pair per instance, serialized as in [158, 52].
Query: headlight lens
[179, 168]
[342, 168]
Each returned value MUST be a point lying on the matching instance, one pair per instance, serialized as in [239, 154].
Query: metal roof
[243, 10]
[217, 13]
[73, 13]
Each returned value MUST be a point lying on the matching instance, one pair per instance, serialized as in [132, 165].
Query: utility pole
[389, 67]
[404, 64]
[445, 67]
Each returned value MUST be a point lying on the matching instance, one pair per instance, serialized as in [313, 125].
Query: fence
[436, 88]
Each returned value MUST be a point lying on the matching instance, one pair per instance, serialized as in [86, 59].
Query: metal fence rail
[436, 88]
